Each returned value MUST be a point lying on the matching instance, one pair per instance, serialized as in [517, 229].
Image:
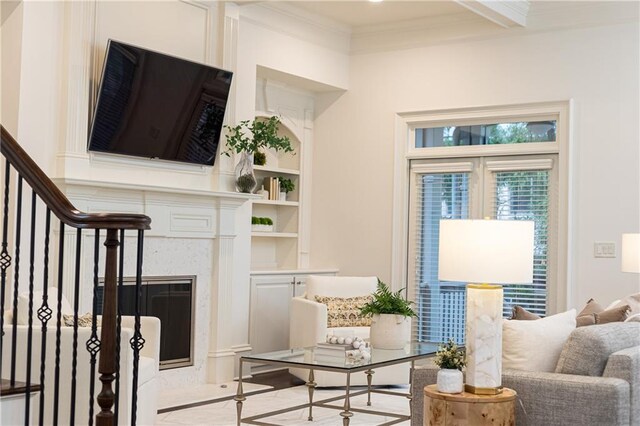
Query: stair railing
[110, 225]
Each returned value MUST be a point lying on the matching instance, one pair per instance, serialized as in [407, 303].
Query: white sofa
[308, 326]
[147, 395]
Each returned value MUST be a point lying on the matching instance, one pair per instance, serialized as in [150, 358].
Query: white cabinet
[271, 296]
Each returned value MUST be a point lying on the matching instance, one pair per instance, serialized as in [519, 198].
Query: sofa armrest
[567, 399]
[308, 323]
[150, 331]
[548, 398]
[625, 365]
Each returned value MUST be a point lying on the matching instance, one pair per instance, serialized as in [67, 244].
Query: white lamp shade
[486, 251]
[631, 253]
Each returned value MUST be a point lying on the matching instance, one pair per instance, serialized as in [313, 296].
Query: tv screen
[157, 106]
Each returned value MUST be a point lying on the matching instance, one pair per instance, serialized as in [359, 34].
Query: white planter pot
[449, 381]
[390, 331]
[262, 228]
[283, 196]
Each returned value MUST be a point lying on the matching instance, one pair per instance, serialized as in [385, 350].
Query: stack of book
[331, 350]
[272, 185]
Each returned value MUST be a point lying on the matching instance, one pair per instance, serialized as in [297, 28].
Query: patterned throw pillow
[345, 311]
[83, 320]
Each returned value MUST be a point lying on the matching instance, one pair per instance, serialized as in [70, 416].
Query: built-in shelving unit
[279, 250]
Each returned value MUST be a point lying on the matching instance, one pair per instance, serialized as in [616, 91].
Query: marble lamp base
[484, 339]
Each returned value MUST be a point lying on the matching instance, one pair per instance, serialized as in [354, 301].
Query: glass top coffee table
[306, 358]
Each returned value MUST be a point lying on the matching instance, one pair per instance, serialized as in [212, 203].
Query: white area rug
[224, 413]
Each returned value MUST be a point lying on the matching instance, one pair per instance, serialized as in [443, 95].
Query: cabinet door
[270, 298]
[299, 284]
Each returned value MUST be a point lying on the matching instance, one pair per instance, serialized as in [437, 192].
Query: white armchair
[148, 368]
[308, 326]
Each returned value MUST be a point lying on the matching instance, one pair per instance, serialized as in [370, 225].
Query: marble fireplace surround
[193, 232]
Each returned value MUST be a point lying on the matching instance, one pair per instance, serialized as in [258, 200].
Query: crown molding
[288, 19]
[506, 13]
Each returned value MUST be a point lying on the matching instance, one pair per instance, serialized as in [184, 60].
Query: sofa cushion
[588, 348]
[633, 301]
[340, 286]
[522, 341]
[594, 313]
[52, 301]
[345, 311]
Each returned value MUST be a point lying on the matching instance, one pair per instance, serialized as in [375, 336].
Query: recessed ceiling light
[375, 1]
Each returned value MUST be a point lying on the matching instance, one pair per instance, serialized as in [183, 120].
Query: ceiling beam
[506, 13]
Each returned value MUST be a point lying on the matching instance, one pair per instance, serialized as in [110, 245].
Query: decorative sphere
[329, 338]
[340, 340]
[366, 356]
[348, 340]
[334, 340]
[355, 344]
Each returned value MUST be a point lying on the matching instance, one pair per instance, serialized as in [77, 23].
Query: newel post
[107, 366]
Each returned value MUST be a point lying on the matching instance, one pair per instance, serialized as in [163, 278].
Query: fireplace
[171, 299]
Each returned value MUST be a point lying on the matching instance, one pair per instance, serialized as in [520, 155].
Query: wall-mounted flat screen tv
[157, 106]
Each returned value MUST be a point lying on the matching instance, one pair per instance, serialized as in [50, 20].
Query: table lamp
[485, 254]
[631, 253]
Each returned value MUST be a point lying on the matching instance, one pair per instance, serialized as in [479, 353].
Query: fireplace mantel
[195, 232]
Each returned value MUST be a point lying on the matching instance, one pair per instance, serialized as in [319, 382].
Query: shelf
[276, 203]
[275, 234]
[276, 170]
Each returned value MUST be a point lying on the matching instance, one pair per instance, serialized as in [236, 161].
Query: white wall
[596, 67]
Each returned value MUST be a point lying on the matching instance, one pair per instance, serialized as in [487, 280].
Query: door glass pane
[524, 195]
[440, 306]
[486, 134]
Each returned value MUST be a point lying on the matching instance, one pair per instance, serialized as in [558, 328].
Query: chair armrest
[308, 322]
[150, 331]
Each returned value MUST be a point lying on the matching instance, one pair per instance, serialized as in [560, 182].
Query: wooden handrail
[57, 201]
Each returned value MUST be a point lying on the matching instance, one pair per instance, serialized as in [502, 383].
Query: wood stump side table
[468, 409]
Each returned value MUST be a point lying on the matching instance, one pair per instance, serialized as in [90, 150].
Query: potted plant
[286, 186]
[451, 359]
[261, 224]
[391, 317]
[247, 139]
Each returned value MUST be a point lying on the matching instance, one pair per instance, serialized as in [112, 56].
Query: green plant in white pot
[390, 316]
[451, 359]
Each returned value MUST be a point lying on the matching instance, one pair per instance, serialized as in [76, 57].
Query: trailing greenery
[286, 185]
[450, 356]
[252, 135]
[386, 302]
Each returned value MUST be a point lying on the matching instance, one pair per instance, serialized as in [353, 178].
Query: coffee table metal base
[346, 410]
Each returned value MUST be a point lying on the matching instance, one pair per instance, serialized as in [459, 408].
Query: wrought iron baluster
[119, 326]
[56, 390]
[74, 351]
[44, 314]
[137, 341]
[5, 258]
[32, 255]
[93, 344]
[16, 285]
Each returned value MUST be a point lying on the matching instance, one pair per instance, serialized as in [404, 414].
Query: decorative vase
[449, 380]
[389, 331]
[245, 179]
[283, 196]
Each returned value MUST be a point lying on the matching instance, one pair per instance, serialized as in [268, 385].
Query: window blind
[524, 195]
[440, 305]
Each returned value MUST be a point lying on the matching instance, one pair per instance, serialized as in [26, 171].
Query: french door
[522, 187]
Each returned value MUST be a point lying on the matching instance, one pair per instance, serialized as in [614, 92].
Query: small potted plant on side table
[451, 359]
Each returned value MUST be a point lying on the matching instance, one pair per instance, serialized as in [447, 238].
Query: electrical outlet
[604, 249]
